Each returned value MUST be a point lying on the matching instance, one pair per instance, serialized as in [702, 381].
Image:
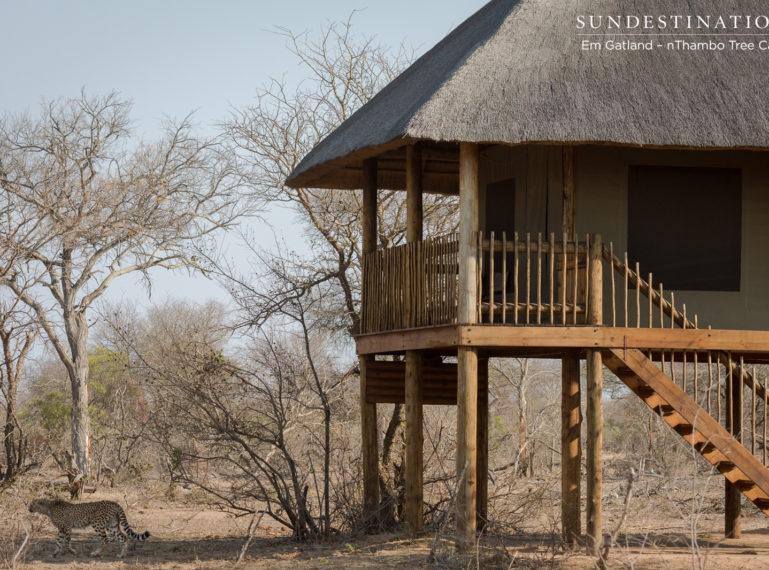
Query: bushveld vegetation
[249, 404]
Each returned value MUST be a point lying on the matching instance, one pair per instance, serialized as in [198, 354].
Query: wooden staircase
[736, 463]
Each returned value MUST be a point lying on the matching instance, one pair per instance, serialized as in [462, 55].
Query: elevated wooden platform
[551, 341]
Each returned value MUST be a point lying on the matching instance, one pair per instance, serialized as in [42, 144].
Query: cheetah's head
[40, 506]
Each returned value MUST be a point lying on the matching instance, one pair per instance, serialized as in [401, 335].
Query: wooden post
[482, 443]
[594, 413]
[413, 394]
[467, 358]
[571, 413]
[569, 192]
[368, 419]
[571, 449]
[414, 441]
[413, 193]
[732, 495]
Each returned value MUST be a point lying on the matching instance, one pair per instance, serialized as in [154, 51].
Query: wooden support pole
[369, 218]
[467, 417]
[414, 440]
[368, 420]
[468, 232]
[413, 385]
[467, 358]
[571, 449]
[732, 495]
[482, 459]
[571, 413]
[594, 412]
[413, 193]
[569, 192]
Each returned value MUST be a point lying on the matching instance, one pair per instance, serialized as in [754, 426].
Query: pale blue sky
[174, 56]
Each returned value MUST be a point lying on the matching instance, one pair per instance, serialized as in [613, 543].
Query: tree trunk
[80, 421]
[77, 335]
[12, 435]
[13, 440]
[391, 474]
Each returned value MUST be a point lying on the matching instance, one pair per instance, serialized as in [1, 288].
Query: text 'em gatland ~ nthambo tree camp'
[566, 153]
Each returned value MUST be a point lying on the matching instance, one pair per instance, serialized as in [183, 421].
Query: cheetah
[106, 517]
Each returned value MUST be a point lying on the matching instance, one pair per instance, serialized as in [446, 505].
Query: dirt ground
[186, 535]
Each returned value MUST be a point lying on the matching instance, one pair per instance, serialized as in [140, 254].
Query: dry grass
[523, 533]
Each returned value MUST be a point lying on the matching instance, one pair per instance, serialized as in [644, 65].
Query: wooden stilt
[482, 443]
[732, 495]
[368, 423]
[413, 384]
[467, 426]
[594, 412]
[467, 358]
[571, 414]
[414, 441]
[569, 220]
[413, 193]
[571, 449]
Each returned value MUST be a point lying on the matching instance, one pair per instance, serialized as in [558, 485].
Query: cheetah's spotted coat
[106, 517]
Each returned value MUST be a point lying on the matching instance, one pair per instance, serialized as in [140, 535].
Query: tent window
[685, 226]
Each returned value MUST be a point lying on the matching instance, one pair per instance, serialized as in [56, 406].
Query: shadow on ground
[395, 551]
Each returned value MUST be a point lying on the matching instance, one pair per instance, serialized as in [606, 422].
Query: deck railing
[411, 285]
[521, 280]
[532, 281]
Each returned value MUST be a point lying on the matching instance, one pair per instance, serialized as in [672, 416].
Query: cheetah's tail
[136, 536]
[131, 532]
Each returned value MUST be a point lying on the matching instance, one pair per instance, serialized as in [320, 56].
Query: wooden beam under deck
[385, 382]
[497, 338]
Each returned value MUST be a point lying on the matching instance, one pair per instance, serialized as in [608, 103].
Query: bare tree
[17, 335]
[105, 206]
[530, 390]
[261, 423]
[284, 124]
[269, 138]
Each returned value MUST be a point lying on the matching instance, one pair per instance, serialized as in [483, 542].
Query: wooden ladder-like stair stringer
[692, 422]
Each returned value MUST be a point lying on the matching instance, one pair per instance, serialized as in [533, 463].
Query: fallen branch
[252, 528]
[21, 549]
[612, 539]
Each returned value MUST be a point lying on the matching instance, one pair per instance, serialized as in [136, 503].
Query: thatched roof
[514, 73]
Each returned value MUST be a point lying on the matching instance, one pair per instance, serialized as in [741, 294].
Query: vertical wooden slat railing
[411, 285]
[531, 280]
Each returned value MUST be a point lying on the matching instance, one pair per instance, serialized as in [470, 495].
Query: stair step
[744, 485]
[725, 466]
[684, 429]
[704, 447]
[645, 391]
[762, 504]
[665, 410]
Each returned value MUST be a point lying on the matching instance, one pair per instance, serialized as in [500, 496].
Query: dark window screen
[684, 226]
[500, 207]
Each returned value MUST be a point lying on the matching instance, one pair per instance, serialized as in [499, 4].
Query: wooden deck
[504, 340]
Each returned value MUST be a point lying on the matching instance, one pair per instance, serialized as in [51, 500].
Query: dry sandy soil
[189, 535]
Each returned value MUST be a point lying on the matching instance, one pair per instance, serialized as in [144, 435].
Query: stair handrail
[677, 317]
